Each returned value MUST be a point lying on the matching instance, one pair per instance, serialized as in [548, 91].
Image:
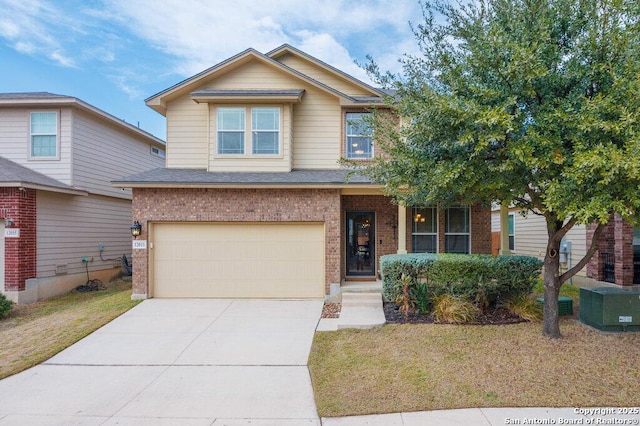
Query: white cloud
[203, 33]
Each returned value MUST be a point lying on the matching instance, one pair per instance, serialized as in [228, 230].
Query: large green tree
[532, 103]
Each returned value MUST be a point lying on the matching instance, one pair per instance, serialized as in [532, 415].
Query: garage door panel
[283, 260]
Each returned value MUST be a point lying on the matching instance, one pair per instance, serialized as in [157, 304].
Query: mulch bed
[394, 316]
[331, 310]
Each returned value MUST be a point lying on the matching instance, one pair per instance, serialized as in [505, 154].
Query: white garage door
[258, 260]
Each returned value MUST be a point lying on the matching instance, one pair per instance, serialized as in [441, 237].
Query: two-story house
[58, 156]
[254, 201]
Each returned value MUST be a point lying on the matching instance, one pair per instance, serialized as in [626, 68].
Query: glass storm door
[361, 259]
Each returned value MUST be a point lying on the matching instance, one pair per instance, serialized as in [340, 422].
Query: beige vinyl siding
[71, 227]
[317, 132]
[316, 119]
[103, 153]
[316, 122]
[249, 162]
[187, 132]
[15, 141]
[320, 74]
[531, 238]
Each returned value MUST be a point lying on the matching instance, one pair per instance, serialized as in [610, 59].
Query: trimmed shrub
[5, 306]
[484, 280]
[455, 310]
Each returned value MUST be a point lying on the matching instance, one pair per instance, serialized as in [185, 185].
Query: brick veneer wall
[237, 205]
[386, 217]
[616, 239]
[19, 253]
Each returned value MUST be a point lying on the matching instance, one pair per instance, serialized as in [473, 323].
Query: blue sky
[114, 54]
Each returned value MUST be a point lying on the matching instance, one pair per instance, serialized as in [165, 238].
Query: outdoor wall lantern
[8, 223]
[136, 229]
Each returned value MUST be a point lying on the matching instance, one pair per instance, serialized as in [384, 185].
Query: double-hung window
[424, 233]
[265, 130]
[359, 135]
[264, 123]
[231, 125]
[457, 233]
[44, 135]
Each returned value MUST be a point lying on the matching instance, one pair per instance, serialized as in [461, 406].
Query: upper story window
[159, 152]
[44, 135]
[457, 232]
[359, 135]
[264, 123]
[265, 130]
[424, 233]
[231, 122]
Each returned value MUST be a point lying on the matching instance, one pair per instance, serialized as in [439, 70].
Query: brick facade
[238, 205]
[616, 243]
[19, 205]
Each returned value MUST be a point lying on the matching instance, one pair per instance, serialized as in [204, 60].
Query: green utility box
[611, 308]
[565, 305]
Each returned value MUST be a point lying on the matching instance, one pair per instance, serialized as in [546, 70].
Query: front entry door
[361, 259]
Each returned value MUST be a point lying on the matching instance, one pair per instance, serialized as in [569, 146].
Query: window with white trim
[457, 232]
[424, 233]
[231, 125]
[359, 135]
[43, 135]
[265, 131]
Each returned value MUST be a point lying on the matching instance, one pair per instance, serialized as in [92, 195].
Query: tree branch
[587, 257]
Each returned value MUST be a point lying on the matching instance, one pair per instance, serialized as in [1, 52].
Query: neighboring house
[254, 201]
[58, 156]
[617, 260]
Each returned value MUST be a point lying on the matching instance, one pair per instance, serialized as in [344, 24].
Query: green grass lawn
[34, 332]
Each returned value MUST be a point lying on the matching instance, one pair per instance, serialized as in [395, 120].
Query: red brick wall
[20, 253]
[615, 239]
[238, 205]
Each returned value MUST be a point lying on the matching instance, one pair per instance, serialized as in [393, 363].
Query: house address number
[11, 233]
[139, 244]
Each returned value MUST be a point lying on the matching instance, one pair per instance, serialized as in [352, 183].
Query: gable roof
[159, 100]
[46, 99]
[16, 176]
[286, 48]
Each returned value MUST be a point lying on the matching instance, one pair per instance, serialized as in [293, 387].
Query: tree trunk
[552, 283]
[551, 317]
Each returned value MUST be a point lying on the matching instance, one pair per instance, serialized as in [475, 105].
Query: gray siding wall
[103, 153]
[71, 227]
[15, 136]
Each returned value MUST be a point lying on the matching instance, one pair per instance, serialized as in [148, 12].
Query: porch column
[402, 229]
[504, 230]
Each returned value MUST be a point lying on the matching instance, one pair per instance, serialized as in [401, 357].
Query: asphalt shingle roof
[202, 177]
[11, 172]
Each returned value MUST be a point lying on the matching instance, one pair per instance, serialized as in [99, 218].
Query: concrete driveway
[178, 362]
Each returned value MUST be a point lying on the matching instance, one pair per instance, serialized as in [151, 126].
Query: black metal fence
[608, 262]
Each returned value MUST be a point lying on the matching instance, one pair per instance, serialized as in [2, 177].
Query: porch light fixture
[8, 223]
[136, 229]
